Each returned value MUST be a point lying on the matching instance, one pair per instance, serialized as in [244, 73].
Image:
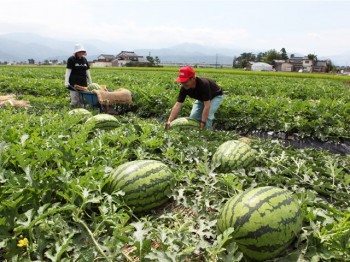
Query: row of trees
[243, 60]
[151, 62]
[154, 61]
[269, 57]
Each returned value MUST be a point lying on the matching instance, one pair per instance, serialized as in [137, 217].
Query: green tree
[312, 57]
[157, 60]
[284, 55]
[270, 56]
[259, 57]
[330, 66]
[243, 60]
[150, 59]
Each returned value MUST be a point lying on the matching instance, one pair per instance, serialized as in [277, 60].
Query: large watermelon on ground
[265, 221]
[80, 112]
[185, 122]
[102, 121]
[146, 183]
[234, 154]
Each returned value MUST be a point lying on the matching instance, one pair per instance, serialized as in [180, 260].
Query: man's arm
[173, 114]
[88, 74]
[66, 76]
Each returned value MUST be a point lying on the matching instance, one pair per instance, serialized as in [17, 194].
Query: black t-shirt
[79, 67]
[206, 89]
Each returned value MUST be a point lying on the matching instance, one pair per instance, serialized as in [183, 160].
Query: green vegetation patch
[52, 169]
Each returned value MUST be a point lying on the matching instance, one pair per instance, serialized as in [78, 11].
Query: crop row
[309, 106]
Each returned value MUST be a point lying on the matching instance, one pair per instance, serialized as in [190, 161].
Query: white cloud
[313, 35]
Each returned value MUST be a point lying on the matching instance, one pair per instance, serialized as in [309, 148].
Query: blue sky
[307, 27]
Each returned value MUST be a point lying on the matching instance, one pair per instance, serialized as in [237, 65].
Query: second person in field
[77, 73]
[208, 95]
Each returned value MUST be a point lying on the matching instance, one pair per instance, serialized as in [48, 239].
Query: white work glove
[88, 74]
[66, 78]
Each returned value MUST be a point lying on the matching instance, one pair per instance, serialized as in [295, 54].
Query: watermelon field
[54, 169]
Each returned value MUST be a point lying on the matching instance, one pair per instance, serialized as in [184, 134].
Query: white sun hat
[79, 48]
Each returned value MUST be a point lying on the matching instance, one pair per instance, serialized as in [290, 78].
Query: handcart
[88, 98]
[103, 100]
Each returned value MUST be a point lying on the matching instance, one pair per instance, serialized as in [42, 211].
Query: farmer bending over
[207, 93]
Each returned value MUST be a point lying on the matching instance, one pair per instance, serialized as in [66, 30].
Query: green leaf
[162, 256]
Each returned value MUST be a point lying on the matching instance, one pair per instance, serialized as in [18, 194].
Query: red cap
[185, 73]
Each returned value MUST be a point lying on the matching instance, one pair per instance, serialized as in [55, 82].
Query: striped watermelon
[81, 112]
[146, 183]
[102, 121]
[185, 122]
[94, 86]
[265, 221]
[233, 154]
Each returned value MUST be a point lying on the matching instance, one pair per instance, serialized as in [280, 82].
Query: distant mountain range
[192, 53]
[23, 46]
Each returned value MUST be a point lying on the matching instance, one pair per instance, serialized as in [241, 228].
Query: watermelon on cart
[94, 86]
